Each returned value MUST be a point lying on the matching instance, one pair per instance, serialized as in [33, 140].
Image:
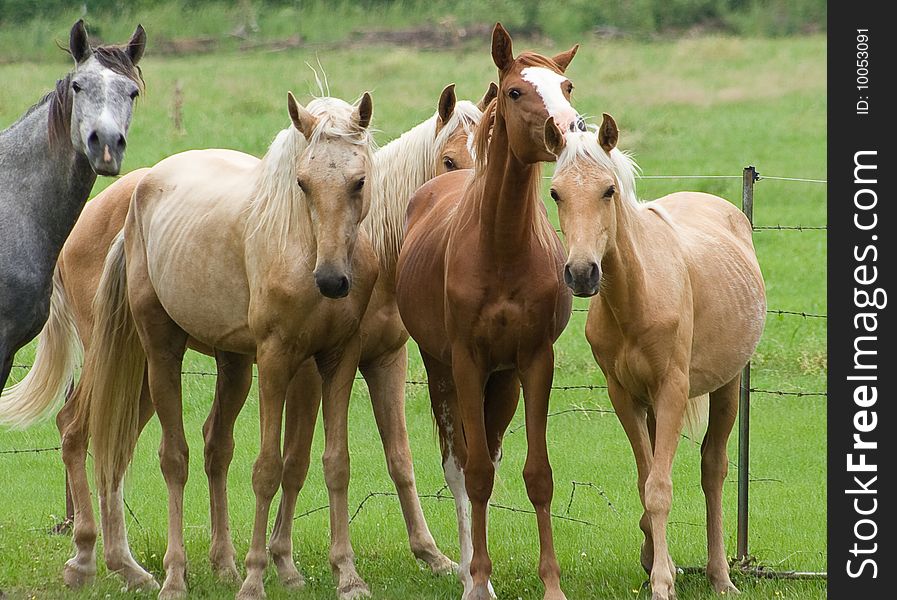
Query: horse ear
[608, 134]
[137, 44]
[564, 58]
[303, 120]
[364, 110]
[502, 54]
[78, 44]
[554, 139]
[446, 106]
[488, 97]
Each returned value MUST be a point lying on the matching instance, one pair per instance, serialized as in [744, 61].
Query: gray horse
[49, 161]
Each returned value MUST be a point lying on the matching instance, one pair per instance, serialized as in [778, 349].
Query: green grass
[707, 106]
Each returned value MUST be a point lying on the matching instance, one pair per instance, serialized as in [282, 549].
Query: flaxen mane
[402, 166]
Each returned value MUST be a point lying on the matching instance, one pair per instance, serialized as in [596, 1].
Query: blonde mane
[583, 146]
[402, 166]
[277, 210]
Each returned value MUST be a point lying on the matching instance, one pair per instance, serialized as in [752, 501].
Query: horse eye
[554, 195]
[569, 88]
[359, 185]
[448, 163]
[76, 87]
[299, 183]
[610, 192]
[134, 94]
[514, 94]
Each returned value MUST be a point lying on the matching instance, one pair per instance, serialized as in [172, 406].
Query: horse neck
[52, 181]
[400, 167]
[624, 267]
[508, 197]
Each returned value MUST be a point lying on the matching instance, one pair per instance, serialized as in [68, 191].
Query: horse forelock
[582, 151]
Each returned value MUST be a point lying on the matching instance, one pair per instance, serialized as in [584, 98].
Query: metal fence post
[750, 175]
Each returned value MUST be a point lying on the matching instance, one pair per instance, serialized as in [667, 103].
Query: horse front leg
[231, 388]
[338, 373]
[633, 418]
[385, 377]
[479, 471]
[303, 399]
[536, 379]
[669, 410]
[276, 364]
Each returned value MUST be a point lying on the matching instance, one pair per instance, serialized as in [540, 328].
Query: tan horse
[481, 291]
[437, 145]
[680, 311]
[255, 259]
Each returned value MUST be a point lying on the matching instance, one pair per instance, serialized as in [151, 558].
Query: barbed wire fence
[743, 560]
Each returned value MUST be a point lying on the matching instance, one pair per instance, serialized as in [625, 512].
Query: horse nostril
[122, 142]
[93, 138]
[595, 272]
[568, 275]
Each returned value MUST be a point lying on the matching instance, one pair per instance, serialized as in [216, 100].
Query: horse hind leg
[454, 455]
[303, 400]
[714, 468]
[116, 550]
[81, 568]
[231, 388]
[385, 377]
[164, 343]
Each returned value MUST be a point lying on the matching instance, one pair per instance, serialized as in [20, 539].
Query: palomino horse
[436, 145]
[680, 311]
[255, 259]
[49, 161]
[480, 289]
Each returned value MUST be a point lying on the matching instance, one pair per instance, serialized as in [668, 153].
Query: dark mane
[114, 58]
[532, 59]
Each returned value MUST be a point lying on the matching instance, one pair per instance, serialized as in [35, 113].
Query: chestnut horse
[678, 306]
[439, 144]
[253, 258]
[480, 289]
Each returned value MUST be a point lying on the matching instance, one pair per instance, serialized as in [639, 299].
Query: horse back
[726, 284]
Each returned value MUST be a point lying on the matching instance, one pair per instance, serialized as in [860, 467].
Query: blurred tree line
[753, 17]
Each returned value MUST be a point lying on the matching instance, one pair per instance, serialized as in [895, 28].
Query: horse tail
[697, 412]
[58, 352]
[113, 373]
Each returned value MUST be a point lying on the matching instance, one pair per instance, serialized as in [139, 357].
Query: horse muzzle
[105, 150]
[332, 282]
[583, 278]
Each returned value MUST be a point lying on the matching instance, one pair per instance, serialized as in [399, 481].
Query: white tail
[58, 352]
[697, 413]
[113, 373]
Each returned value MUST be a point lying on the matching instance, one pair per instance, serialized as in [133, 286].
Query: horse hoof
[440, 565]
[293, 582]
[172, 593]
[75, 577]
[354, 589]
[251, 592]
[725, 588]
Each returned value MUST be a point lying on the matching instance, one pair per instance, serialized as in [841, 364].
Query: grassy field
[701, 106]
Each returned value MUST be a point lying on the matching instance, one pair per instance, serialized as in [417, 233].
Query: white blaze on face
[548, 86]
